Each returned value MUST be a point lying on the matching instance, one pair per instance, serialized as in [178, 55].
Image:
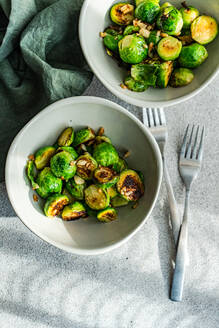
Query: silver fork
[154, 119]
[189, 167]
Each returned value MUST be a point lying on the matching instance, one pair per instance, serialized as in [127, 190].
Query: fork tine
[189, 148]
[183, 149]
[194, 151]
[150, 117]
[156, 116]
[145, 117]
[200, 150]
[162, 116]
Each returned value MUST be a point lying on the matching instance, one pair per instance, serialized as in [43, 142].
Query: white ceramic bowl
[86, 236]
[95, 18]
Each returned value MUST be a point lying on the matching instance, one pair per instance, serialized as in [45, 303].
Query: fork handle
[181, 257]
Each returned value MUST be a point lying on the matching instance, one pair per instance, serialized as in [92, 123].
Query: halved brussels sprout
[96, 197]
[86, 165]
[54, 204]
[100, 139]
[112, 192]
[147, 11]
[66, 137]
[130, 185]
[170, 21]
[66, 193]
[119, 201]
[104, 174]
[189, 14]
[130, 29]
[63, 165]
[31, 174]
[165, 4]
[111, 41]
[145, 73]
[135, 85]
[71, 150]
[43, 156]
[83, 136]
[181, 77]
[73, 212]
[120, 165]
[193, 55]
[154, 37]
[122, 13]
[76, 190]
[169, 48]
[105, 154]
[133, 49]
[164, 73]
[48, 183]
[204, 29]
[109, 214]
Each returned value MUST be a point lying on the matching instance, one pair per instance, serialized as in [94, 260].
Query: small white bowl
[85, 236]
[94, 19]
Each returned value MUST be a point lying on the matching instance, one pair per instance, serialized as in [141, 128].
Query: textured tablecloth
[42, 286]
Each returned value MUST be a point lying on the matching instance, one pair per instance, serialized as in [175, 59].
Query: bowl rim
[126, 97]
[50, 108]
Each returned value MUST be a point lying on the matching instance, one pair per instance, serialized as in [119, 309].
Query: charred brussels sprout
[133, 49]
[63, 165]
[130, 29]
[147, 11]
[192, 56]
[119, 201]
[104, 174]
[111, 41]
[189, 14]
[74, 211]
[112, 192]
[120, 165]
[83, 136]
[76, 190]
[96, 197]
[66, 137]
[164, 73]
[71, 150]
[31, 174]
[181, 77]
[55, 204]
[135, 85]
[43, 156]
[204, 29]
[109, 214]
[170, 21]
[154, 37]
[130, 185]
[48, 183]
[105, 154]
[169, 48]
[86, 165]
[144, 73]
[122, 13]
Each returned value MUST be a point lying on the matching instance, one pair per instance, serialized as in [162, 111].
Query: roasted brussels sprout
[130, 29]
[111, 41]
[109, 214]
[104, 174]
[54, 204]
[66, 137]
[96, 197]
[100, 139]
[154, 37]
[144, 73]
[74, 211]
[170, 21]
[193, 55]
[105, 154]
[83, 136]
[76, 190]
[119, 201]
[122, 13]
[66, 193]
[133, 49]
[43, 156]
[63, 165]
[169, 48]
[48, 183]
[120, 165]
[189, 14]
[130, 185]
[181, 77]
[112, 192]
[86, 165]
[165, 4]
[31, 174]
[204, 29]
[71, 150]
[147, 11]
[164, 73]
[135, 85]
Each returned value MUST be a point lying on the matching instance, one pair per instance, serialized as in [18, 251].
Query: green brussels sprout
[170, 21]
[66, 193]
[114, 30]
[83, 136]
[144, 72]
[109, 214]
[130, 185]
[43, 156]
[169, 48]
[193, 55]
[154, 37]
[71, 150]
[63, 165]
[76, 190]
[100, 139]
[105, 154]
[66, 137]
[130, 29]
[133, 49]
[204, 29]
[74, 211]
[54, 204]
[120, 165]
[147, 11]
[31, 174]
[181, 77]
[104, 174]
[164, 73]
[189, 14]
[165, 4]
[111, 41]
[135, 85]
[137, 2]
[122, 13]
[119, 201]
[48, 183]
[112, 192]
[86, 165]
[96, 197]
